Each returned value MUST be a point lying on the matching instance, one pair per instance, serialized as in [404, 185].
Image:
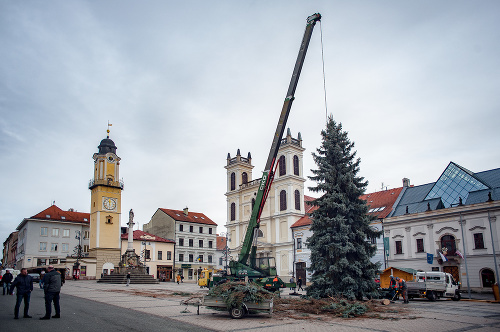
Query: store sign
[186, 266]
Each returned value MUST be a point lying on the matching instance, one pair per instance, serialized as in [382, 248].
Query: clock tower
[105, 208]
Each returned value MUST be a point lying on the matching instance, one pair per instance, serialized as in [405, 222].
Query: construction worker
[393, 286]
[403, 289]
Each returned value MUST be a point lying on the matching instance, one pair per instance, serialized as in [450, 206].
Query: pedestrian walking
[24, 285]
[182, 279]
[7, 280]
[52, 288]
[178, 278]
[42, 274]
[128, 278]
[299, 284]
[292, 281]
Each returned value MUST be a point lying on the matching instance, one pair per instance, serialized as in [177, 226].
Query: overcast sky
[415, 83]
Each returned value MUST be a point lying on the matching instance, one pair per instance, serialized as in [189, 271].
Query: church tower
[105, 208]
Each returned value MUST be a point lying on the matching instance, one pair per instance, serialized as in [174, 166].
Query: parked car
[35, 276]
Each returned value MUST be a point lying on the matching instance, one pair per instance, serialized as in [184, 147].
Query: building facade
[283, 207]
[50, 237]
[156, 252]
[195, 237]
[449, 225]
[10, 251]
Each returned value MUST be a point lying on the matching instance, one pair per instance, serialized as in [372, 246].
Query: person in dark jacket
[24, 285]
[6, 280]
[299, 284]
[52, 288]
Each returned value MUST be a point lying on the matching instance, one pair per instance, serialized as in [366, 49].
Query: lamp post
[78, 249]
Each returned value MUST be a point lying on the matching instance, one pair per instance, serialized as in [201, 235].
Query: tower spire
[107, 131]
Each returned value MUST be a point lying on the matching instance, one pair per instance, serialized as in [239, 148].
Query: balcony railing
[250, 183]
[105, 182]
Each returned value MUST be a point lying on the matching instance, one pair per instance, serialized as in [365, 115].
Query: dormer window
[85, 219]
[47, 216]
[63, 217]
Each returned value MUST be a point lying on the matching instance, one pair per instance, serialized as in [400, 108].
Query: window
[253, 203]
[147, 254]
[283, 200]
[200, 258]
[53, 247]
[65, 247]
[282, 165]
[55, 232]
[478, 241]
[448, 245]
[244, 177]
[233, 211]
[295, 165]
[210, 258]
[44, 231]
[420, 245]
[220, 261]
[191, 243]
[181, 257]
[169, 255]
[210, 244]
[65, 232]
[297, 200]
[210, 231]
[43, 246]
[181, 242]
[41, 261]
[399, 247]
[160, 255]
[86, 234]
[200, 243]
[191, 229]
[190, 257]
[53, 261]
[181, 228]
[201, 230]
[85, 248]
[233, 181]
[299, 243]
[373, 240]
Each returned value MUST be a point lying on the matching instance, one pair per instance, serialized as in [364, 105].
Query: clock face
[109, 203]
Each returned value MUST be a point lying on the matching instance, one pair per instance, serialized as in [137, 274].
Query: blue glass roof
[455, 182]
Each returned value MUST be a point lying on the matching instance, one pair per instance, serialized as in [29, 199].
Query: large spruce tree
[340, 247]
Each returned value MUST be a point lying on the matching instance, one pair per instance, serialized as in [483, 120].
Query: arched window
[253, 202]
[487, 277]
[296, 165]
[283, 200]
[448, 246]
[244, 177]
[282, 165]
[233, 181]
[297, 200]
[233, 211]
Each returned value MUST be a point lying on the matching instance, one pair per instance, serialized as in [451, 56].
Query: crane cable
[323, 62]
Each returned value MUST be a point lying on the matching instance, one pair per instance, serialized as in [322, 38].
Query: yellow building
[156, 252]
[105, 208]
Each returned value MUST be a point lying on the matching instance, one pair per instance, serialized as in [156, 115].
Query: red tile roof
[221, 242]
[55, 213]
[193, 217]
[309, 208]
[381, 201]
[143, 236]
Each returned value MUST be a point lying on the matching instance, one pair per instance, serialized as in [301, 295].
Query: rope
[323, 61]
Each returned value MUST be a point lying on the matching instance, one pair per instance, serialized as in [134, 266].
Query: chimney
[406, 182]
[185, 211]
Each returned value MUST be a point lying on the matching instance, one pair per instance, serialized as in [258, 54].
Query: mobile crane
[248, 265]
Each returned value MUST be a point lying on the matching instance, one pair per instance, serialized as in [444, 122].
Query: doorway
[300, 271]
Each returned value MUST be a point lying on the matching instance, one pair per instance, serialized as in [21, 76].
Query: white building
[283, 207]
[52, 237]
[195, 237]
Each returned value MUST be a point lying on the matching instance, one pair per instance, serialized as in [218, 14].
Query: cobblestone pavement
[422, 315]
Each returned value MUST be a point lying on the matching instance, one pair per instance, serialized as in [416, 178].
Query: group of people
[398, 287]
[299, 283]
[23, 284]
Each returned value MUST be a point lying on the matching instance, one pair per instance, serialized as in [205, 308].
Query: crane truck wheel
[431, 296]
[237, 312]
[457, 296]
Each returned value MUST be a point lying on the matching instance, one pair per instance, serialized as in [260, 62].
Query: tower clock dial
[109, 203]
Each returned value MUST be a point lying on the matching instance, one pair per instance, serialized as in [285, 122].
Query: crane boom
[268, 174]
